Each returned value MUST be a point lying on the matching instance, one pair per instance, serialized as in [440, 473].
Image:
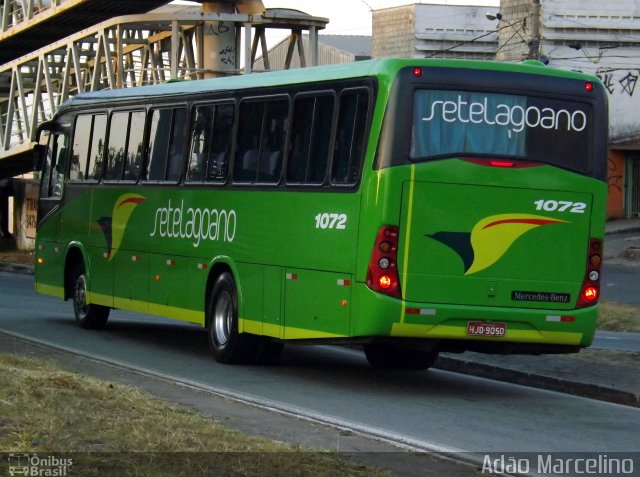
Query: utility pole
[534, 43]
[220, 45]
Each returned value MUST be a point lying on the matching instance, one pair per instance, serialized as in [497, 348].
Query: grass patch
[16, 256]
[610, 357]
[125, 431]
[618, 317]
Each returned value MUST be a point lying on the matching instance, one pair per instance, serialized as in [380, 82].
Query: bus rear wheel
[227, 344]
[90, 316]
[387, 356]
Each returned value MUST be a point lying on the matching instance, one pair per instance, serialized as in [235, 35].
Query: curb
[592, 391]
[16, 268]
[622, 231]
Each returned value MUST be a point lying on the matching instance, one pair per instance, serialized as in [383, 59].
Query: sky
[353, 17]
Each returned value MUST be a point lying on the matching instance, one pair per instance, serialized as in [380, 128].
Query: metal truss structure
[132, 51]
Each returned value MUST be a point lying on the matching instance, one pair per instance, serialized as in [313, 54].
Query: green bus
[409, 206]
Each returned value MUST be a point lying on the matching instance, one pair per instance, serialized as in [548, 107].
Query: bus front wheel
[87, 315]
[387, 356]
[227, 344]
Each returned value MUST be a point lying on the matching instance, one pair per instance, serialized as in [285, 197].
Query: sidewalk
[622, 226]
[596, 374]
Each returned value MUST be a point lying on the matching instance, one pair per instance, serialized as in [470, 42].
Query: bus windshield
[451, 123]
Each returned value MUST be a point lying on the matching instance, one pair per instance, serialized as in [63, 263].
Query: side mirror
[39, 156]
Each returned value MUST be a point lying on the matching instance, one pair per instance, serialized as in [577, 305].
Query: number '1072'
[331, 221]
[560, 206]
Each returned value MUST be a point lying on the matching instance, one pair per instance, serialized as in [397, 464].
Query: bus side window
[261, 134]
[166, 144]
[80, 151]
[45, 173]
[221, 143]
[135, 144]
[119, 124]
[350, 136]
[210, 143]
[274, 133]
[88, 139]
[310, 138]
[124, 151]
[58, 165]
[200, 143]
[249, 134]
[96, 151]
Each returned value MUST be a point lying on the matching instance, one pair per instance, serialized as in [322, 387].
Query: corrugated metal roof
[332, 49]
[358, 45]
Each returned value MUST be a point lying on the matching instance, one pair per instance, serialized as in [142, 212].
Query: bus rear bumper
[521, 330]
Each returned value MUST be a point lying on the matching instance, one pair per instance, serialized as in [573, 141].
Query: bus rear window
[463, 123]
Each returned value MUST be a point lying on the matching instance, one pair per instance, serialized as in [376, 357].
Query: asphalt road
[435, 408]
[621, 283]
[617, 341]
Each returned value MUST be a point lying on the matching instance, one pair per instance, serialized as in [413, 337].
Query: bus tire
[387, 356]
[89, 316]
[227, 344]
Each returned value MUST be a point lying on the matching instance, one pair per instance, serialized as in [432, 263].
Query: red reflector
[412, 311]
[588, 86]
[385, 282]
[502, 163]
[417, 72]
[567, 319]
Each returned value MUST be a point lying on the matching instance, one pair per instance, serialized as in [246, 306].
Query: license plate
[481, 328]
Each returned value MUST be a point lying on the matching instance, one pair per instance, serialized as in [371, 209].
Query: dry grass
[129, 432]
[618, 317]
[16, 256]
[610, 357]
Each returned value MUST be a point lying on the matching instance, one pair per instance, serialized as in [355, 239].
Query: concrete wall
[393, 32]
[442, 31]
[615, 201]
[588, 36]
[603, 39]
[515, 30]
[455, 31]
[25, 211]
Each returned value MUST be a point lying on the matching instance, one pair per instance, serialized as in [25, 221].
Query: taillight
[382, 275]
[590, 290]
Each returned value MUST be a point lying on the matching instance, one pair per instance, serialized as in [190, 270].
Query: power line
[523, 21]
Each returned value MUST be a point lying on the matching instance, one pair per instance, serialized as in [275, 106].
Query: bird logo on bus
[490, 238]
[114, 227]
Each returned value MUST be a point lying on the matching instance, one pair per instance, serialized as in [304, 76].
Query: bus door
[50, 250]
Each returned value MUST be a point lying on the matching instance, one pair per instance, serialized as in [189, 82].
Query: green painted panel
[100, 275]
[166, 280]
[273, 310]
[317, 301]
[478, 244]
[131, 270]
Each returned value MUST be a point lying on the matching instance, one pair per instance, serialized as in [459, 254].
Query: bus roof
[359, 69]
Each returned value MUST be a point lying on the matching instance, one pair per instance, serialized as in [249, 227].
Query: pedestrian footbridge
[53, 49]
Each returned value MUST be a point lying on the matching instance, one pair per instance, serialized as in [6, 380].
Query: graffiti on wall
[620, 82]
[615, 175]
